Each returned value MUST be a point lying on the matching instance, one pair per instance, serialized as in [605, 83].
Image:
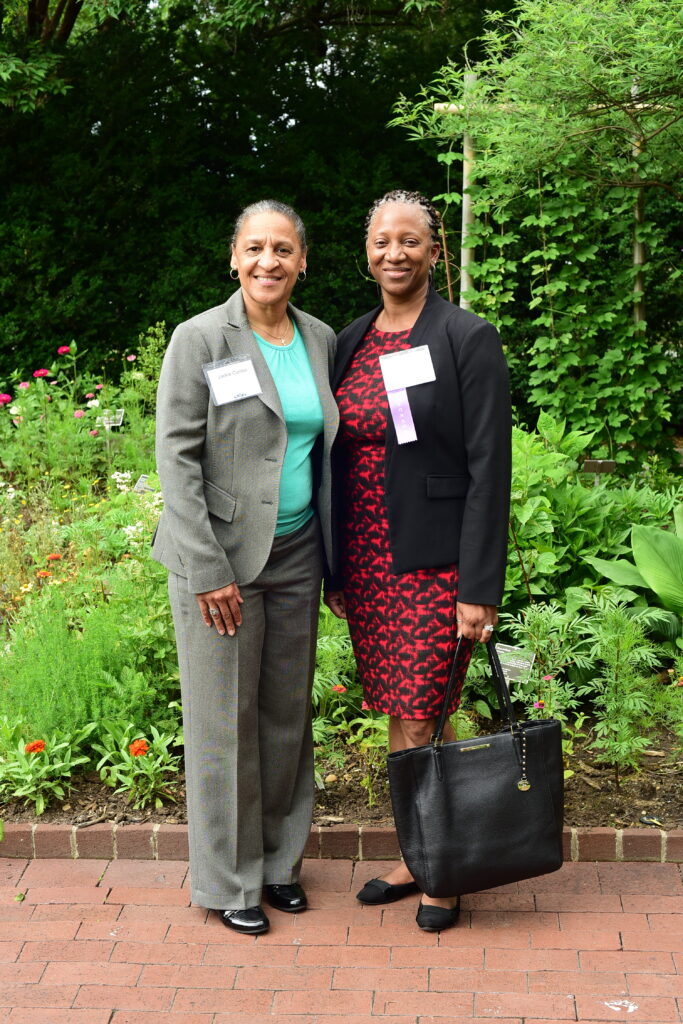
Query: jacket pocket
[447, 486]
[219, 502]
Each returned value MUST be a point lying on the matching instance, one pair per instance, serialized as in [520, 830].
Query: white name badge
[406, 368]
[231, 380]
[402, 370]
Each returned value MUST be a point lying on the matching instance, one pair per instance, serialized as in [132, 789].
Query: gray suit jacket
[220, 466]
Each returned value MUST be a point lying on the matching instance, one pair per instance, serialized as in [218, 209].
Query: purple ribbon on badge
[402, 416]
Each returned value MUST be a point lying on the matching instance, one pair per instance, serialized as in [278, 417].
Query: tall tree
[116, 197]
[577, 119]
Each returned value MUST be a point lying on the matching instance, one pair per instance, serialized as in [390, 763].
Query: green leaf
[678, 519]
[659, 557]
[619, 571]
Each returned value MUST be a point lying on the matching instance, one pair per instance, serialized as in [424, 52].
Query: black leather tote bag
[475, 814]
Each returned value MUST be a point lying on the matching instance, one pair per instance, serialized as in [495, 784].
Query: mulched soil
[593, 795]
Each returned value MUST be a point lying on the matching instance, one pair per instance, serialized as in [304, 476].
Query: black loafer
[251, 921]
[378, 891]
[289, 898]
[435, 919]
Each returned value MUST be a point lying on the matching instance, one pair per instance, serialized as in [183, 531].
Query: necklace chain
[280, 338]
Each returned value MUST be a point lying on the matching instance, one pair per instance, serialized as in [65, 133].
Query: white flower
[122, 480]
[15, 410]
[93, 403]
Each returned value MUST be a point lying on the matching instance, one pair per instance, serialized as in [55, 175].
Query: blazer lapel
[240, 339]
[316, 347]
[350, 344]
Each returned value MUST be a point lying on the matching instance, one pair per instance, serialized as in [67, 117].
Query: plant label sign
[516, 663]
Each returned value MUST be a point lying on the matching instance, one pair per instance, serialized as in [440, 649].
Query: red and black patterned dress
[402, 626]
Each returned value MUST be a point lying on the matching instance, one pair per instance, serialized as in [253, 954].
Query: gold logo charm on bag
[523, 785]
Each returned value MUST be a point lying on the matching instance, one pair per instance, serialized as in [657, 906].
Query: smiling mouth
[266, 278]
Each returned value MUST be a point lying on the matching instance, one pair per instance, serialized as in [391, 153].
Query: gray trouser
[247, 726]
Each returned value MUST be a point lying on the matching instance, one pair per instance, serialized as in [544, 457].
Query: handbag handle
[504, 703]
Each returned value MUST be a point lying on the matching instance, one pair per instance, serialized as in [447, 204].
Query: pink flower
[91, 394]
[539, 703]
[93, 433]
[79, 414]
[40, 373]
[4, 399]
[131, 358]
[98, 387]
[25, 384]
[546, 679]
[63, 350]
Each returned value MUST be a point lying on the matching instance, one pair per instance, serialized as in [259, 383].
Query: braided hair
[400, 195]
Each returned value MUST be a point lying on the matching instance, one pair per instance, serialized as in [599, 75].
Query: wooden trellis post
[468, 158]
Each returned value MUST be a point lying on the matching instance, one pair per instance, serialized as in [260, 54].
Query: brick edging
[359, 842]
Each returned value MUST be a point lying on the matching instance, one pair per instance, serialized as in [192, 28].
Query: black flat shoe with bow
[289, 898]
[377, 891]
[251, 921]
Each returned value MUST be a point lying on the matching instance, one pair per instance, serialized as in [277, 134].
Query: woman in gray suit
[245, 424]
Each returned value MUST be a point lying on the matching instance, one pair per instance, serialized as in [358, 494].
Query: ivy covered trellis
[576, 113]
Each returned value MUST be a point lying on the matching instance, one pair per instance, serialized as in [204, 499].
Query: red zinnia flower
[53, 557]
[63, 350]
[34, 747]
[40, 373]
[43, 573]
[138, 747]
[339, 688]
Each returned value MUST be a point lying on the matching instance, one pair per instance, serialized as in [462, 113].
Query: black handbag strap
[504, 703]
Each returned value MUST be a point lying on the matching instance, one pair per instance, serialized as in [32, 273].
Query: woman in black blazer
[422, 483]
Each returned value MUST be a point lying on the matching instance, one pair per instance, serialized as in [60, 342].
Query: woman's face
[400, 249]
[267, 255]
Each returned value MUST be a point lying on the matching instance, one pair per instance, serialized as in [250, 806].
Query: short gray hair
[270, 206]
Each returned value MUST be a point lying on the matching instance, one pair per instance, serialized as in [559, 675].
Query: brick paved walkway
[116, 942]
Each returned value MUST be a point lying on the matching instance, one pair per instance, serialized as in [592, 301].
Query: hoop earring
[299, 277]
[234, 273]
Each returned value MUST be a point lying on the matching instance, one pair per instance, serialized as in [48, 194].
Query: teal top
[291, 371]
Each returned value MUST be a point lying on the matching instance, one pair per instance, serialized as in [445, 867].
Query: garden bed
[592, 796]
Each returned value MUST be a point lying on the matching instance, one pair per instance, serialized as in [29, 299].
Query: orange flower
[138, 747]
[43, 574]
[34, 747]
[339, 688]
[53, 558]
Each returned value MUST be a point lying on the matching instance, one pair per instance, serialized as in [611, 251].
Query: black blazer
[447, 493]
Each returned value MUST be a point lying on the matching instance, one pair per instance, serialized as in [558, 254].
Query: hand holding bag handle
[507, 712]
